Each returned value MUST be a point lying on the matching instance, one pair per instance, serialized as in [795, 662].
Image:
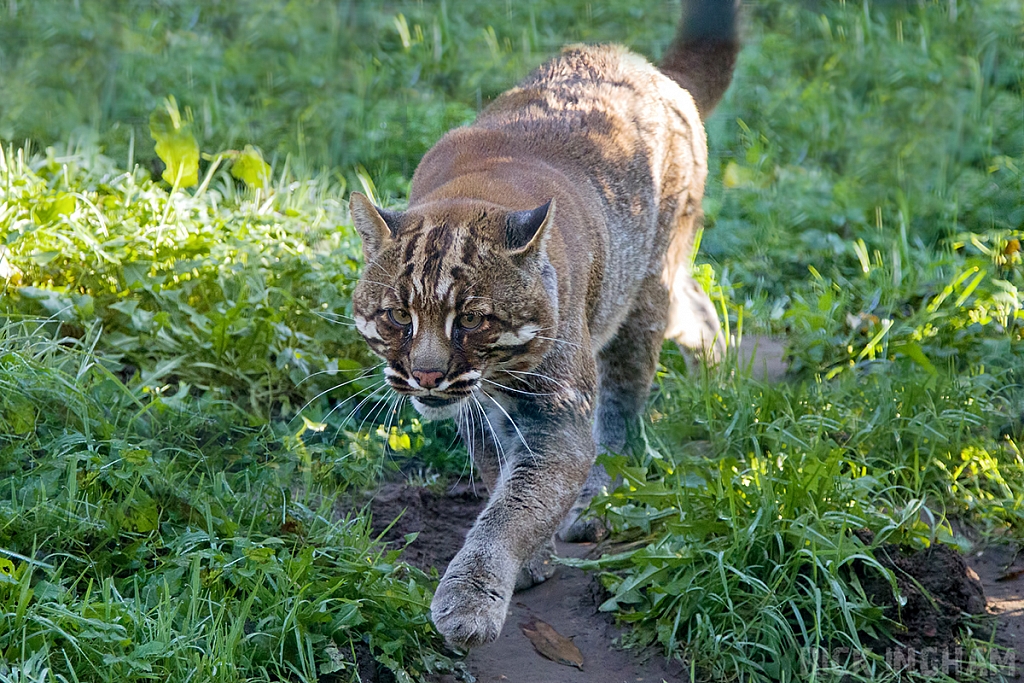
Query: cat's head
[452, 294]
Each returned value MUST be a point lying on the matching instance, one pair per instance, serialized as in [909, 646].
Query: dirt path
[568, 601]
[1001, 570]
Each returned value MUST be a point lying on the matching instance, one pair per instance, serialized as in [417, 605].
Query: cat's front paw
[578, 526]
[537, 569]
[579, 529]
[469, 612]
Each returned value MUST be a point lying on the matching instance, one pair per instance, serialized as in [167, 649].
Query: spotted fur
[526, 290]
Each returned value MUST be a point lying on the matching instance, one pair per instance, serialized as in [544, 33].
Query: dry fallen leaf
[552, 644]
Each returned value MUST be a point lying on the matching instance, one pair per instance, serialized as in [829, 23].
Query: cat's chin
[435, 413]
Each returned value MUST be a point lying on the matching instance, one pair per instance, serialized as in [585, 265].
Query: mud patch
[567, 601]
[939, 588]
[939, 591]
[1001, 569]
[440, 518]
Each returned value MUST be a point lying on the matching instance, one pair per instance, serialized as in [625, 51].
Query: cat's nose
[428, 379]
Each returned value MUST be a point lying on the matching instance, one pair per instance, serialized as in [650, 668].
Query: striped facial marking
[517, 337]
[448, 308]
[367, 328]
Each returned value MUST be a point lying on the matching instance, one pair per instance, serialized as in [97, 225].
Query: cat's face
[453, 296]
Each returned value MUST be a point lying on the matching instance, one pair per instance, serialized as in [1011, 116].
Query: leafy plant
[241, 292]
[142, 537]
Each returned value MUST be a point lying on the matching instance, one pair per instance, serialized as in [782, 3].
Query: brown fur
[527, 288]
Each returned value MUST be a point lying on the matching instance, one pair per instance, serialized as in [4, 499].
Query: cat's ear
[526, 232]
[376, 226]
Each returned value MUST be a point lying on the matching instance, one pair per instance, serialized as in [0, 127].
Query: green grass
[235, 291]
[146, 539]
[183, 402]
[331, 84]
[741, 509]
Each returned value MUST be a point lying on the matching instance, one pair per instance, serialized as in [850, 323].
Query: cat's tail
[703, 54]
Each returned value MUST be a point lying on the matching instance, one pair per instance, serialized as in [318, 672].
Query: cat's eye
[400, 317]
[470, 321]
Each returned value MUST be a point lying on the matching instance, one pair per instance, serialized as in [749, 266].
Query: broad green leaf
[144, 515]
[335, 660]
[259, 554]
[20, 418]
[135, 274]
[41, 258]
[150, 649]
[914, 351]
[138, 456]
[65, 205]
[175, 145]
[250, 168]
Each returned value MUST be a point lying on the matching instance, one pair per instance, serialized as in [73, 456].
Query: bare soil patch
[938, 592]
[567, 601]
[939, 587]
[440, 517]
[1001, 571]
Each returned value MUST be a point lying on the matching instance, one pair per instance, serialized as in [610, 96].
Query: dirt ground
[1001, 571]
[567, 601]
[937, 589]
[989, 581]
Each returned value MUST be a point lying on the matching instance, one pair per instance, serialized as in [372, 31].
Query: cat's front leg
[544, 459]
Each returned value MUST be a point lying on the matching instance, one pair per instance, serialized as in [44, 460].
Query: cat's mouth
[438, 407]
[439, 401]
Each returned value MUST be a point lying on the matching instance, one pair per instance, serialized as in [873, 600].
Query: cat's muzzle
[438, 407]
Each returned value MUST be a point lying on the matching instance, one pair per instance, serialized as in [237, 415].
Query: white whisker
[514, 425]
[560, 341]
[474, 409]
[373, 389]
[537, 374]
[518, 391]
[462, 427]
[381, 405]
[499, 449]
[391, 418]
[366, 374]
[381, 284]
[338, 318]
[483, 434]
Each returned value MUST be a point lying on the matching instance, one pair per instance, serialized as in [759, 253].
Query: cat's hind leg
[692, 318]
